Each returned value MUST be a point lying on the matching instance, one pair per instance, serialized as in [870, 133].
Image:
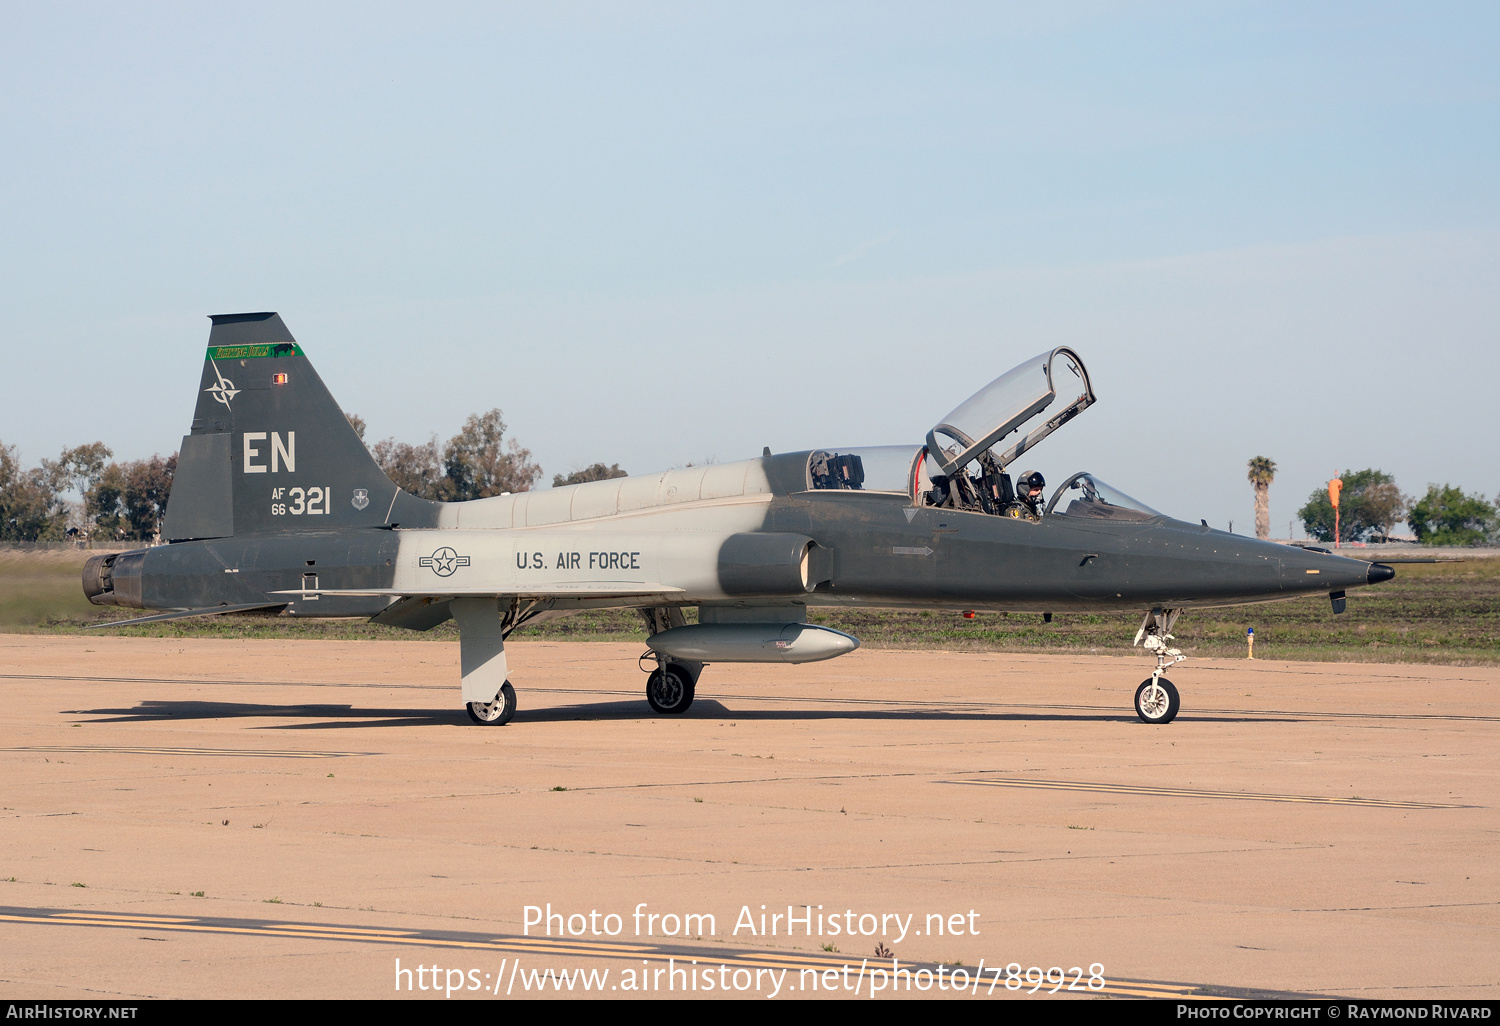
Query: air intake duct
[771, 564]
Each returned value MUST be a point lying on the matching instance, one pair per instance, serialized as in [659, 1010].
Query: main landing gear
[1156, 700]
[671, 686]
[496, 713]
[488, 696]
[670, 689]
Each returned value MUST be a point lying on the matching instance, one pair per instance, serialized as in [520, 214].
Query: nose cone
[1320, 570]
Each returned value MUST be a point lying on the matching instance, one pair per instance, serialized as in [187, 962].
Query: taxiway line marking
[305, 927]
[1182, 792]
[1138, 992]
[163, 920]
[1134, 988]
[150, 750]
[522, 945]
[313, 932]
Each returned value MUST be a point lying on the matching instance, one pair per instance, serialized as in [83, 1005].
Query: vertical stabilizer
[271, 451]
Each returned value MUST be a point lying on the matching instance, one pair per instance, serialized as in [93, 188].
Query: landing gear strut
[1156, 700]
[488, 696]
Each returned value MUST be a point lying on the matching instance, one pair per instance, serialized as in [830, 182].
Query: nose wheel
[1156, 700]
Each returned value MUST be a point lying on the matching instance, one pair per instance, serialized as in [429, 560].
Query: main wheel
[1156, 701]
[498, 712]
[670, 691]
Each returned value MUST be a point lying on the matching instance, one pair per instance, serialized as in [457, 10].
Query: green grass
[1442, 612]
[38, 587]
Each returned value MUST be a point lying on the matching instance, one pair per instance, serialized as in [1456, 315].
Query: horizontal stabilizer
[181, 614]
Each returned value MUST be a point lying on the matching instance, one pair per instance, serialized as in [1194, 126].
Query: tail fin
[270, 451]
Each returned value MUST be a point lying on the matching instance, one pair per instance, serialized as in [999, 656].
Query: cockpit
[966, 462]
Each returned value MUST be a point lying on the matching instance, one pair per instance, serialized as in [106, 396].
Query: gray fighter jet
[278, 507]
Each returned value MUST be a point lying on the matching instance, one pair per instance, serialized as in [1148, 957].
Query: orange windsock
[1334, 487]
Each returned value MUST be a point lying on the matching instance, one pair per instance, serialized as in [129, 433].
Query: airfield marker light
[1250, 636]
[968, 614]
[278, 379]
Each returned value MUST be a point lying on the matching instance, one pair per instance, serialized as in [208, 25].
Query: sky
[661, 233]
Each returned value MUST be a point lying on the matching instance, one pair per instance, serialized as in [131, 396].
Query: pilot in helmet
[1029, 490]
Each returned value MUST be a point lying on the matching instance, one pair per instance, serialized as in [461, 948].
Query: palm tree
[1262, 473]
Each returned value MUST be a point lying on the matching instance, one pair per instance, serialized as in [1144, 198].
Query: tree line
[476, 463]
[123, 501]
[1370, 507]
[127, 501]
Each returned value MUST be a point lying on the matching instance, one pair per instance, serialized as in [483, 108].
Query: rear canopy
[1007, 404]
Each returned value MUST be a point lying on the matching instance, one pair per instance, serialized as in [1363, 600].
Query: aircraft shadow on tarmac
[321, 717]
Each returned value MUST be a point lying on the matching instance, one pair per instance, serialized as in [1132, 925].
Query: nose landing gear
[1156, 700]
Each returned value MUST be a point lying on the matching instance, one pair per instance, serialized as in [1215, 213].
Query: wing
[419, 611]
[578, 590]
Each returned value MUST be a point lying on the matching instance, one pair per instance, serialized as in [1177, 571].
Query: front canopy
[1089, 497]
[1006, 404]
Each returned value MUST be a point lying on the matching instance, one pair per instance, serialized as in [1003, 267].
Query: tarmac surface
[212, 818]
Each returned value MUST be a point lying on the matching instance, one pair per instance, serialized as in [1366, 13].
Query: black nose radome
[1380, 572]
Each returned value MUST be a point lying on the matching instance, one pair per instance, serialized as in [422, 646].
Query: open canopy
[1007, 404]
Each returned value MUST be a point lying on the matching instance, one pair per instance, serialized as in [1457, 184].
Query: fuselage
[744, 533]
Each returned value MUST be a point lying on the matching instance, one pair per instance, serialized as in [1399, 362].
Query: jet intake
[752, 643]
[770, 564]
[114, 579]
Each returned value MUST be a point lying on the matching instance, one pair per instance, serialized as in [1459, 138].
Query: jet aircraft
[278, 507]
